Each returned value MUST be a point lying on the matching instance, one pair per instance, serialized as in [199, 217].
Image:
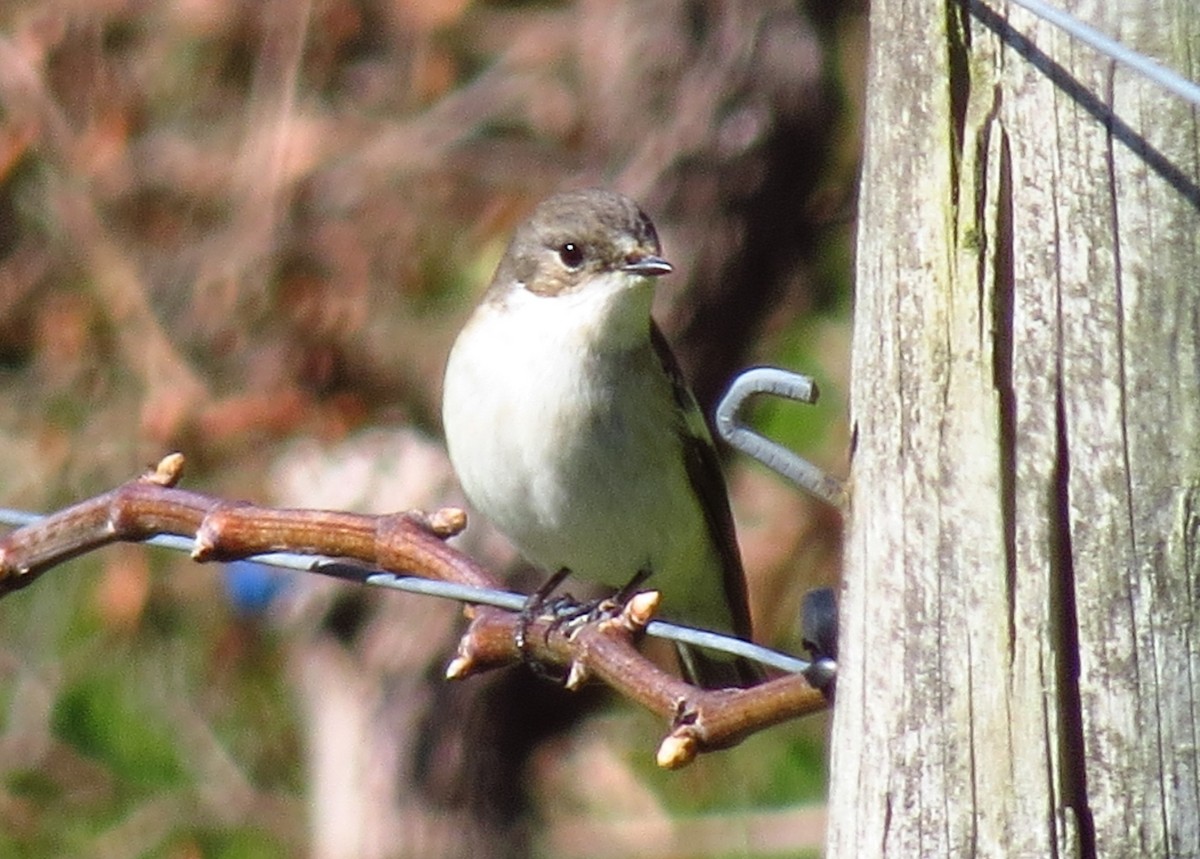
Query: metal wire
[460, 593]
[1151, 69]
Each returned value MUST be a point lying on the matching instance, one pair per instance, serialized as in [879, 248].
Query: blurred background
[248, 230]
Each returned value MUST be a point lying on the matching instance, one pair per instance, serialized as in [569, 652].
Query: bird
[571, 429]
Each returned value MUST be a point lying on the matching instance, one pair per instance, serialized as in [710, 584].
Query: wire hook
[780, 383]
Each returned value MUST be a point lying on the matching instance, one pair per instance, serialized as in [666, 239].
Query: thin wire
[656, 628]
[457, 592]
[1161, 75]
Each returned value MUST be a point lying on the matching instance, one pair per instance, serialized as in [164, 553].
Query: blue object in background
[252, 587]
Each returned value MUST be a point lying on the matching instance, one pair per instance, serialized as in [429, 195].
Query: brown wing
[704, 472]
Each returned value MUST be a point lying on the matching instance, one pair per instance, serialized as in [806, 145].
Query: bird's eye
[571, 255]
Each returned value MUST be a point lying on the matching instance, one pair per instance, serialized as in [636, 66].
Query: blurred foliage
[227, 224]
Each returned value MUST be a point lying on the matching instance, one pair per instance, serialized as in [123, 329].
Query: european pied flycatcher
[571, 429]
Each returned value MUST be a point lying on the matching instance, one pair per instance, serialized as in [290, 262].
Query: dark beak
[648, 266]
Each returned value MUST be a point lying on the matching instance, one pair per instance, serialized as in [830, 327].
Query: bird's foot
[562, 609]
[565, 612]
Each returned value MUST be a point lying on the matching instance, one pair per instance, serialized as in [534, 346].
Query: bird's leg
[605, 606]
[534, 605]
[630, 588]
[568, 610]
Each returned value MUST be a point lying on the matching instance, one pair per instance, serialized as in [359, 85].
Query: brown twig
[412, 543]
[701, 720]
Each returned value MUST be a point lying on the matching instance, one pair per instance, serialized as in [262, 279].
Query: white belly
[575, 456]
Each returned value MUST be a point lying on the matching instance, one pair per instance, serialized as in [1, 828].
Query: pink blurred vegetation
[249, 231]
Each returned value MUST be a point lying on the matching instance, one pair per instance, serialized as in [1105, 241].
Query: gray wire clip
[780, 383]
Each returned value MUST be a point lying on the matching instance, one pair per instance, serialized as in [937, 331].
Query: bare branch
[413, 543]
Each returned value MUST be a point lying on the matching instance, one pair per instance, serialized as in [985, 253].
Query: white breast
[563, 432]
